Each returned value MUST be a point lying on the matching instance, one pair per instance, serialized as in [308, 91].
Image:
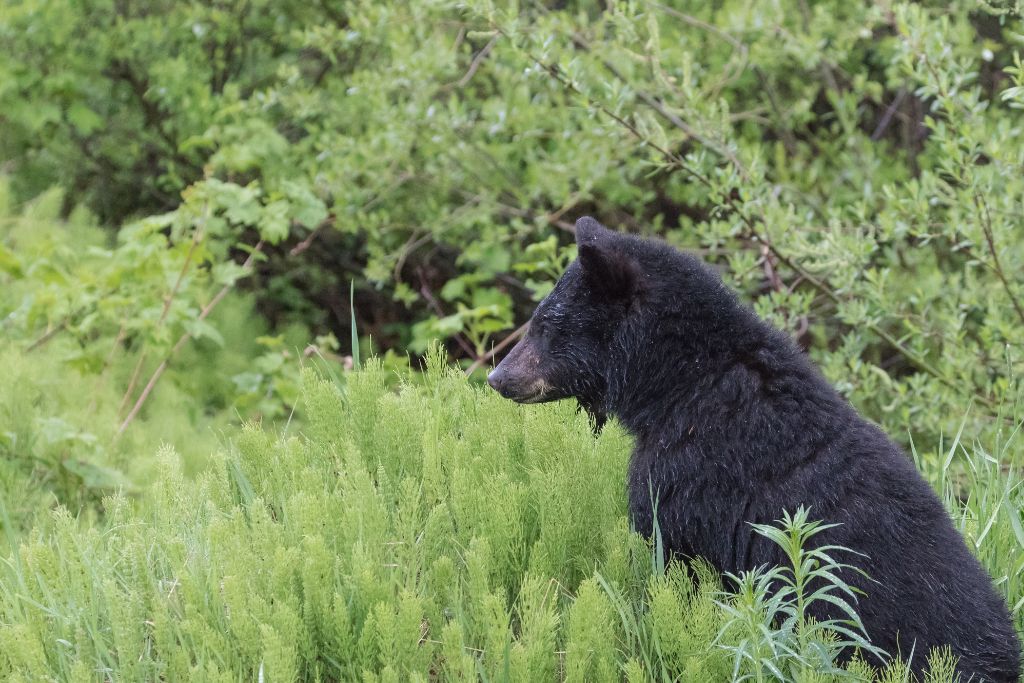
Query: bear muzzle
[516, 377]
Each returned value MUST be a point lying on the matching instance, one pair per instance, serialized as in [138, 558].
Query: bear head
[618, 314]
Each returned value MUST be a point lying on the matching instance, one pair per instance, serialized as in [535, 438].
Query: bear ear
[608, 270]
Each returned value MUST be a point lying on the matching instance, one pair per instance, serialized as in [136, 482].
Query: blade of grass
[355, 334]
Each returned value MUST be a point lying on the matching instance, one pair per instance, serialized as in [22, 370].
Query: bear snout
[498, 379]
[517, 377]
[514, 386]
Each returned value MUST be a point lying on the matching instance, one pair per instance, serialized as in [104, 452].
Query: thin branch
[890, 111]
[184, 339]
[658, 106]
[50, 334]
[305, 244]
[553, 218]
[478, 59]
[400, 180]
[136, 373]
[104, 373]
[168, 300]
[62, 325]
[556, 73]
[414, 242]
[519, 332]
[986, 226]
[701, 24]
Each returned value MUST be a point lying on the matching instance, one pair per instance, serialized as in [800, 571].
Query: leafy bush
[112, 347]
[434, 533]
[852, 166]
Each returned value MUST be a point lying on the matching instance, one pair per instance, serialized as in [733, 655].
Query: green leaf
[273, 222]
[97, 477]
[306, 208]
[83, 118]
[200, 329]
[9, 263]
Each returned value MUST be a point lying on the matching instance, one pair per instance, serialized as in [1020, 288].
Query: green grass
[436, 532]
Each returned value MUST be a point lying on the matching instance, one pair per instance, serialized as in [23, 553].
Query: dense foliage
[199, 197]
[87, 324]
[853, 166]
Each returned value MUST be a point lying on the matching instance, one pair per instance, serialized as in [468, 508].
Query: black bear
[733, 424]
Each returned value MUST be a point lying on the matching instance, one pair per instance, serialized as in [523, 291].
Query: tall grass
[435, 532]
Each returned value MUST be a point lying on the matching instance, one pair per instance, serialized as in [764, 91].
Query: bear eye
[544, 330]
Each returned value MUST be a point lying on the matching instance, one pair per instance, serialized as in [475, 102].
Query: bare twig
[769, 269]
[516, 334]
[478, 59]
[886, 119]
[986, 226]
[675, 159]
[168, 300]
[549, 218]
[459, 38]
[43, 339]
[305, 244]
[699, 23]
[414, 242]
[555, 217]
[184, 339]
[50, 334]
[658, 106]
[136, 373]
[400, 180]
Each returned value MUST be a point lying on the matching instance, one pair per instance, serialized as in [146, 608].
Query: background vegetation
[199, 198]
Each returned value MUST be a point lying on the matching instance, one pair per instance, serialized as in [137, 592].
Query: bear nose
[496, 378]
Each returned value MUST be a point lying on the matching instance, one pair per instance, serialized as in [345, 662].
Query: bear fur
[733, 424]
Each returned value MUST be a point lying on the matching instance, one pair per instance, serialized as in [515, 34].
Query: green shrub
[436, 532]
[852, 166]
[85, 323]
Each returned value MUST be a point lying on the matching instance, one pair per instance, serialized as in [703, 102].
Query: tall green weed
[433, 532]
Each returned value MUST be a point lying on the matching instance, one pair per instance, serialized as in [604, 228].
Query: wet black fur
[733, 424]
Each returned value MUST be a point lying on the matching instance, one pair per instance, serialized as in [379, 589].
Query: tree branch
[986, 226]
[478, 59]
[184, 339]
[519, 332]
